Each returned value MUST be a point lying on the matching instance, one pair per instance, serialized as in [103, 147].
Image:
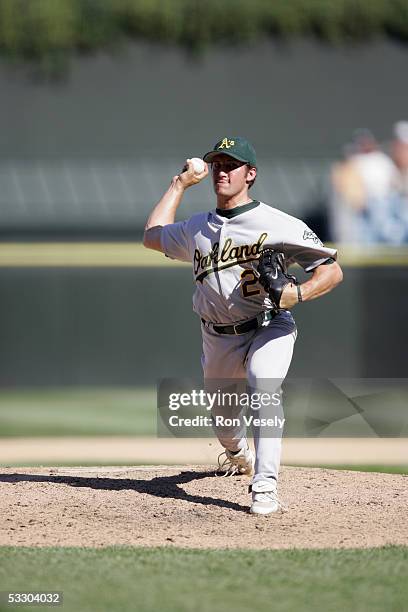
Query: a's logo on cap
[226, 144]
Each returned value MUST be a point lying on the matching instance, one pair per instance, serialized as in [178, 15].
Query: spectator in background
[366, 206]
[346, 199]
[375, 169]
[389, 218]
[399, 153]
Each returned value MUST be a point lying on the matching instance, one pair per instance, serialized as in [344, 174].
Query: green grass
[78, 412]
[179, 580]
[109, 411]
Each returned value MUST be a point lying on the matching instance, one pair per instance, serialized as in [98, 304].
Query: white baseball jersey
[224, 247]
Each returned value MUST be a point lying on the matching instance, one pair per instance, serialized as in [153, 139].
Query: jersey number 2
[248, 279]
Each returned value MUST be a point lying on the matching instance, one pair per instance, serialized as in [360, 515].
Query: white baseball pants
[262, 357]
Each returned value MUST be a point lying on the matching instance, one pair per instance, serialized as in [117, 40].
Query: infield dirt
[191, 507]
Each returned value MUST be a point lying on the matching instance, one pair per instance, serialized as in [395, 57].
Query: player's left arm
[324, 278]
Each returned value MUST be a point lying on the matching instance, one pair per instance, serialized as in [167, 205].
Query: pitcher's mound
[190, 507]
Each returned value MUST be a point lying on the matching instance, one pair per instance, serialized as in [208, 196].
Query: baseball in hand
[198, 165]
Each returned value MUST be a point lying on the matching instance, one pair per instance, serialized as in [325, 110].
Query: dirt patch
[190, 507]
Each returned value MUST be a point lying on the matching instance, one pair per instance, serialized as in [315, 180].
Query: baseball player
[239, 253]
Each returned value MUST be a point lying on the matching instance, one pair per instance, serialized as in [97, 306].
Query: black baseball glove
[273, 276]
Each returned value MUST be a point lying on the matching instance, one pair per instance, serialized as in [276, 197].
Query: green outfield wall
[134, 325]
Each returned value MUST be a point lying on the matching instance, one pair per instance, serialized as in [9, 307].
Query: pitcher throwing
[240, 252]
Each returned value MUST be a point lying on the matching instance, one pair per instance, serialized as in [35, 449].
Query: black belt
[242, 328]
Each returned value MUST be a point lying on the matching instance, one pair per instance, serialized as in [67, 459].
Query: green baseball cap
[236, 147]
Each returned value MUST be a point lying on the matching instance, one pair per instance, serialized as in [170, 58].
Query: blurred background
[101, 101]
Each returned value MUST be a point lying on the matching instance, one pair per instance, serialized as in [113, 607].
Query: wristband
[299, 292]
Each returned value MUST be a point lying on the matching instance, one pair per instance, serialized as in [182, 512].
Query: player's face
[230, 176]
